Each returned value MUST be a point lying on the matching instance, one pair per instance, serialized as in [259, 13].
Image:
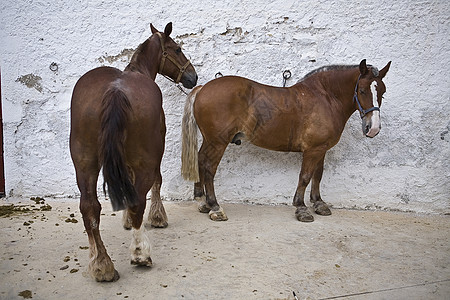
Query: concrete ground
[261, 252]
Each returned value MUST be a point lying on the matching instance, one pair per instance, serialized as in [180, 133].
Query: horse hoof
[204, 208]
[321, 208]
[159, 224]
[145, 262]
[218, 215]
[303, 215]
[116, 276]
[107, 277]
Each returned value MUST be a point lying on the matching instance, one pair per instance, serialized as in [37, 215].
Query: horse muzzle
[371, 127]
[189, 78]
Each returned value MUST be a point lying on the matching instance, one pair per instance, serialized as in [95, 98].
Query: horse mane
[329, 68]
[337, 68]
[133, 61]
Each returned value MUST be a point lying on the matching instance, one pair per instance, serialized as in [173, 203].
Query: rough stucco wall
[405, 167]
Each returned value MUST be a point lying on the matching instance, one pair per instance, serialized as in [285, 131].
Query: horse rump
[114, 118]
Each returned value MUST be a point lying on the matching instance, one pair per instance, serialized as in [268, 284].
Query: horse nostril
[367, 129]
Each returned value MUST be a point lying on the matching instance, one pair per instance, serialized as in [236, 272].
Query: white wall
[406, 167]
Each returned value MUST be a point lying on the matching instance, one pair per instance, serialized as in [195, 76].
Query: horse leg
[126, 220]
[200, 197]
[140, 243]
[100, 266]
[209, 158]
[320, 207]
[309, 163]
[157, 216]
[199, 187]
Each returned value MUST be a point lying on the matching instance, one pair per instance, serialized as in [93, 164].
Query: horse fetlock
[203, 207]
[126, 220]
[218, 215]
[321, 208]
[157, 216]
[303, 215]
[140, 248]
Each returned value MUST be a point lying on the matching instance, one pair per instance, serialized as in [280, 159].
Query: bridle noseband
[362, 112]
[173, 60]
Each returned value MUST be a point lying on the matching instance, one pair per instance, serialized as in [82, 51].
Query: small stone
[26, 294]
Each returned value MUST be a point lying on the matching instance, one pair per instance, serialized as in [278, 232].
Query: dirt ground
[261, 252]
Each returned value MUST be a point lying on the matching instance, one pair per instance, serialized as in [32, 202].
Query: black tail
[115, 109]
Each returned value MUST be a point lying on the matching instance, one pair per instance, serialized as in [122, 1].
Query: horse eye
[178, 51]
[362, 92]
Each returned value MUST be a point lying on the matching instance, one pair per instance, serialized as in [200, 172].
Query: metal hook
[286, 75]
[54, 66]
[218, 74]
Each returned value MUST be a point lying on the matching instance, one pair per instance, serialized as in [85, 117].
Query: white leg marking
[140, 248]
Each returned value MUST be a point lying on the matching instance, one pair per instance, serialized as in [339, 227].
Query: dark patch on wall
[233, 31]
[31, 81]
[126, 53]
[444, 133]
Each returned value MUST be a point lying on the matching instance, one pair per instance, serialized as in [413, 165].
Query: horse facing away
[117, 122]
[308, 117]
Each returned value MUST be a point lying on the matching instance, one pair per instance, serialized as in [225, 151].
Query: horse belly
[277, 137]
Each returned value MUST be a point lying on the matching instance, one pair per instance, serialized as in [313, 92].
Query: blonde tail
[189, 153]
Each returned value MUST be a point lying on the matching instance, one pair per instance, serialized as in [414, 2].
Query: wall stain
[444, 133]
[126, 53]
[31, 81]
[233, 31]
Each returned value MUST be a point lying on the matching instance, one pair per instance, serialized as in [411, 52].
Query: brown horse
[308, 117]
[117, 122]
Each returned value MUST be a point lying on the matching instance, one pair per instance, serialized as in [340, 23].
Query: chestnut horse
[308, 117]
[117, 122]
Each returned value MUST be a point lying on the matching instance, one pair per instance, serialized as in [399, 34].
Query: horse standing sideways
[117, 122]
[308, 117]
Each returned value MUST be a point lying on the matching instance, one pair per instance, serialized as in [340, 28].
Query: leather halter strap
[362, 112]
[165, 56]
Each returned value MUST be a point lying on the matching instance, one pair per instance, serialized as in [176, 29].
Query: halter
[163, 60]
[362, 112]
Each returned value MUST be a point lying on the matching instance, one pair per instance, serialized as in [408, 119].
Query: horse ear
[385, 70]
[168, 29]
[363, 67]
[154, 30]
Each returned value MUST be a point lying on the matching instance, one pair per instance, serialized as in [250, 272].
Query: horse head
[173, 63]
[368, 95]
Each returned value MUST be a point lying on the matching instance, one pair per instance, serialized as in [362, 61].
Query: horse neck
[146, 58]
[341, 84]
